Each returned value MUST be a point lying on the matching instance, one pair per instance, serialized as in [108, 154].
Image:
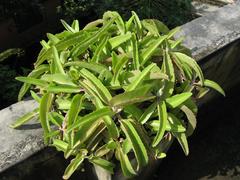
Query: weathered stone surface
[208, 34]
[18, 144]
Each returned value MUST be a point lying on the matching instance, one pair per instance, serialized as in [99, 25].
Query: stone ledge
[207, 34]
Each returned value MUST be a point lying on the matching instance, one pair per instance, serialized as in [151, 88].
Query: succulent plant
[115, 90]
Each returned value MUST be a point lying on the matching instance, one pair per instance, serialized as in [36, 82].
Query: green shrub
[114, 90]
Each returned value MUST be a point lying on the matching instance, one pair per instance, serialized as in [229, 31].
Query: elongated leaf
[35, 96]
[134, 111]
[52, 38]
[118, 40]
[126, 166]
[63, 44]
[58, 78]
[94, 67]
[138, 24]
[137, 144]
[75, 25]
[175, 123]
[162, 115]
[57, 62]
[33, 81]
[103, 91]
[182, 139]
[72, 167]
[131, 97]
[67, 27]
[60, 145]
[63, 89]
[148, 52]
[136, 59]
[56, 118]
[91, 117]
[168, 69]
[192, 121]
[92, 39]
[93, 24]
[173, 32]
[44, 108]
[98, 51]
[118, 68]
[178, 99]
[155, 26]
[170, 126]
[214, 85]
[76, 106]
[111, 126]
[107, 165]
[140, 78]
[183, 58]
[148, 113]
[27, 117]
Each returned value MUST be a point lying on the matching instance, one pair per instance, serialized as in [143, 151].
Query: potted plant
[115, 91]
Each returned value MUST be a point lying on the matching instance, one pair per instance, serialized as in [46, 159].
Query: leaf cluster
[115, 90]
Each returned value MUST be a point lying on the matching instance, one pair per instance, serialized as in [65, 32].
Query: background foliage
[172, 13]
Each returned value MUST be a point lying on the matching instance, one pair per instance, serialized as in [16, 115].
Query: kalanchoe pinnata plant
[115, 90]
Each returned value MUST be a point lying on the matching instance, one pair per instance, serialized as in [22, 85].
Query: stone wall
[214, 41]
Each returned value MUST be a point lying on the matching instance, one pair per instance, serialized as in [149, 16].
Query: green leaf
[44, 108]
[103, 91]
[162, 115]
[34, 74]
[72, 167]
[182, 139]
[148, 113]
[76, 106]
[118, 40]
[140, 78]
[148, 52]
[192, 121]
[183, 58]
[99, 50]
[35, 96]
[136, 60]
[63, 89]
[167, 68]
[58, 78]
[138, 24]
[91, 117]
[75, 25]
[178, 99]
[67, 27]
[56, 118]
[126, 166]
[107, 165]
[118, 69]
[134, 111]
[33, 81]
[111, 126]
[79, 49]
[57, 63]
[214, 85]
[155, 26]
[52, 38]
[131, 97]
[93, 24]
[137, 144]
[60, 145]
[27, 117]
[175, 124]
[63, 44]
[173, 32]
